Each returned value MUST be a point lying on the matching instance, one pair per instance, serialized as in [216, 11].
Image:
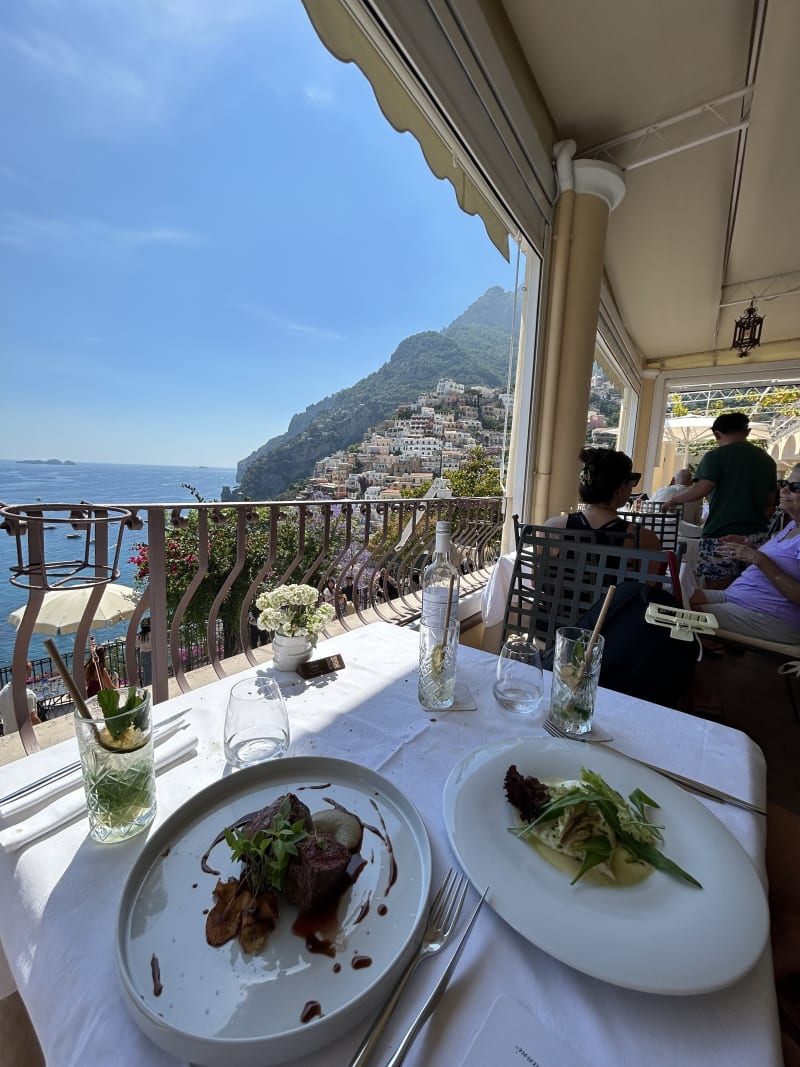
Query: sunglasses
[793, 487]
[633, 478]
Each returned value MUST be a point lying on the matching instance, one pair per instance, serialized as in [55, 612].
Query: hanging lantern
[747, 331]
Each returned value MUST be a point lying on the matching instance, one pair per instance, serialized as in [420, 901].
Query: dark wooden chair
[558, 574]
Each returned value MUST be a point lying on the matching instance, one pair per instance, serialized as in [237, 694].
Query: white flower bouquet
[294, 611]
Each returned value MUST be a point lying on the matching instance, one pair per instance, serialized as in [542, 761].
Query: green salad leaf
[628, 823]
[596, 850]
[631, 820]
[658, 860]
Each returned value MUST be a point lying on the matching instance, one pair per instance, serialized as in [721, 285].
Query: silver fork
[693, 786]
[442, 918]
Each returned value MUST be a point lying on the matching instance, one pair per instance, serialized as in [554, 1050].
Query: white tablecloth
[59, 895]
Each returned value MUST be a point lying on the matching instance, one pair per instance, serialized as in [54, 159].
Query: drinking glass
[519, 684]
[575, 685]
[438, 650]
[256, 722]
[116, 753]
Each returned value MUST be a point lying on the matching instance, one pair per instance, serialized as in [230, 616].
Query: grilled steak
[297, 812]
[316, 872]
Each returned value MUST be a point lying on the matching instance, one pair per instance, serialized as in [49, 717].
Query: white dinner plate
[660, 936]
[222, 1008]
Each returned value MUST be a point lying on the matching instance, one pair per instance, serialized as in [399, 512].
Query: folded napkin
[45, 794]
[67, 807]
[511, 1035]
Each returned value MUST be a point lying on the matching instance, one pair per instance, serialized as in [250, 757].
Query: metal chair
[558, 574]
[664, 524]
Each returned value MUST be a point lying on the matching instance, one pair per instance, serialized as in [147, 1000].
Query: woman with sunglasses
[604, 486]
[764, 600]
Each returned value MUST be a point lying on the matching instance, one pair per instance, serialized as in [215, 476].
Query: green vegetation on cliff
[473, 349]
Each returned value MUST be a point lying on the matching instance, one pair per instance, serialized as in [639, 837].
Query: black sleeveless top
[613, 532]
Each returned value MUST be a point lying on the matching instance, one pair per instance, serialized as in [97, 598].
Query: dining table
[60, 893]
[51, 695]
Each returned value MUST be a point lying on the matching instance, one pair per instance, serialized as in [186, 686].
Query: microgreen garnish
[266, 854]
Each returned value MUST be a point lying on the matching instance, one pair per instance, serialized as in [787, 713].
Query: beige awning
[351, 34]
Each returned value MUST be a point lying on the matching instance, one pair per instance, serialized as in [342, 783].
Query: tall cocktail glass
[116, 752]
[574, 679]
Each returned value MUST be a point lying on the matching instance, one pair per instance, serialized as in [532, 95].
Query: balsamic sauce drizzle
[389, 848]
[312, 1009]
[155, 970]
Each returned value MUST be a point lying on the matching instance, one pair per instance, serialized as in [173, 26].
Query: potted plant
[293, 613]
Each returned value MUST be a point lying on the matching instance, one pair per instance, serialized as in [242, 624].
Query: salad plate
[220, 1006]
[661, 935]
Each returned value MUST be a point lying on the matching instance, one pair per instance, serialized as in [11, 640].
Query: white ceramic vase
[289, 652]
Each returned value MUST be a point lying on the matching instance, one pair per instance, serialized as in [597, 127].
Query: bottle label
[434, 606]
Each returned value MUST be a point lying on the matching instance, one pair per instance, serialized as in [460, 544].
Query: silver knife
[438, 990]
[688, 783]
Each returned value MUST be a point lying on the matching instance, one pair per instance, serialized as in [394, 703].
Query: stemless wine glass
[519, 685]
[256, 722]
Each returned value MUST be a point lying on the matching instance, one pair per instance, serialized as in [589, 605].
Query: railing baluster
[333, 539]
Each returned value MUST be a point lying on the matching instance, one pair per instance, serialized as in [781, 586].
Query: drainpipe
[564, 152]
[544, 433]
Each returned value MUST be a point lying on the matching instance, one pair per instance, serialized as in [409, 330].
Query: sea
[100, 483]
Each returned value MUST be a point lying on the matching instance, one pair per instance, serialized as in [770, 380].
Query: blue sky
[205, 225]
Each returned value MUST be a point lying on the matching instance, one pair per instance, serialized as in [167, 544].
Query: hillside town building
[425, 438]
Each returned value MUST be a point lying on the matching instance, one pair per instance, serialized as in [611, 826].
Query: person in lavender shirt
[764, 600]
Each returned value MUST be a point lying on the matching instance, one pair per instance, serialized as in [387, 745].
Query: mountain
[473, 349]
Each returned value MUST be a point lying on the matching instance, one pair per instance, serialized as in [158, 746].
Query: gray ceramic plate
[221, 1007]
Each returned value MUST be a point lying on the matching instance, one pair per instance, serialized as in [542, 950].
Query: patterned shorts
[714, 567]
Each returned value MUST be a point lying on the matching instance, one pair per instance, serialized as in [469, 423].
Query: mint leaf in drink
[120, 719]
[108, 699]
[132, 700]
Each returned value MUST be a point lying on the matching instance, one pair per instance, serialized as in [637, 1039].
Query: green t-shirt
[744, 476]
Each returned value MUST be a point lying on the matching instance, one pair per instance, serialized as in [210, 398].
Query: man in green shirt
[740, 481]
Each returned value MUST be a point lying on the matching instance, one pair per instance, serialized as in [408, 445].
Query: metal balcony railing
[202, 565]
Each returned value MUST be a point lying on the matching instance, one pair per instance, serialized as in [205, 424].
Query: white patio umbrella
[688, 430]
[785, 450]
[62, 609]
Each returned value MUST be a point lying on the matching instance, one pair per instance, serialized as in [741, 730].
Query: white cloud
[265, 315]
[119, 64]
[196, 21]
[318, 94]
[87, 71]
[85, 235]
